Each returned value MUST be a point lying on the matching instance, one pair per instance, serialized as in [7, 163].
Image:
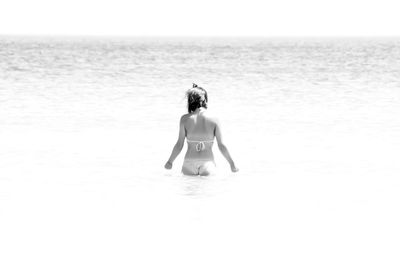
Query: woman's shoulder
[184, 117]
[208, 115]
[211, 116]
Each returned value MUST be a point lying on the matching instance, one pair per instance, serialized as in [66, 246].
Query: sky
[200, 18]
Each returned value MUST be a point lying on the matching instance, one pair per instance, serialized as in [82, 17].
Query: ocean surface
[87, 123]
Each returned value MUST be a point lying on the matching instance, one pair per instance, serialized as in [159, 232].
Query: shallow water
[86, 125]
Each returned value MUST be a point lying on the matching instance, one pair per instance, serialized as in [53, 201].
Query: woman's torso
[199, 127]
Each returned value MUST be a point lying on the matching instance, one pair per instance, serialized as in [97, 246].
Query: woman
[199, 129]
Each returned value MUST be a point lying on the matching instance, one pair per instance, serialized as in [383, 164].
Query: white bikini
[199, 166]
[200, 146]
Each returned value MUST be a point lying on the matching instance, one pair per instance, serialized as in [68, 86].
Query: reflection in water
[195, 186]
[206, 186]
[199, 186]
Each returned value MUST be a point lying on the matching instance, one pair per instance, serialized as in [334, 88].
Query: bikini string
[200, 146]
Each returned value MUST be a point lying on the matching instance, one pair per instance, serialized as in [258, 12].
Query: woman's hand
[168, 165]
[234, 169]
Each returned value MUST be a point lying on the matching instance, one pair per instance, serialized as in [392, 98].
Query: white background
[206, 17]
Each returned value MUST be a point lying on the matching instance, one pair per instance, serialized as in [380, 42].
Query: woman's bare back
[199, 127]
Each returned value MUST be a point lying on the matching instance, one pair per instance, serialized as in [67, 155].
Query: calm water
[86, 125]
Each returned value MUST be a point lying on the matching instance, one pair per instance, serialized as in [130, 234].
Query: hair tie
[194, 85]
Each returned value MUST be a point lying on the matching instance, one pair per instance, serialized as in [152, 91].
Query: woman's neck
[198, 110]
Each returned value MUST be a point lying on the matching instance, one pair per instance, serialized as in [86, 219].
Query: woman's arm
[222, 147]
[179, 144]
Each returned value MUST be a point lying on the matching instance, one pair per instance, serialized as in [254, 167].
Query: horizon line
[197, 36]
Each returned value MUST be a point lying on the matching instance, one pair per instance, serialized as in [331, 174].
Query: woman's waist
[200, 146]
[198, 160]
[202, 155]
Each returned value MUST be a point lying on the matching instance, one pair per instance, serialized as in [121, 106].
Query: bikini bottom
[198, 167]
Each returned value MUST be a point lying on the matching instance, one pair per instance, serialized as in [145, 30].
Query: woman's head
[197, 98]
